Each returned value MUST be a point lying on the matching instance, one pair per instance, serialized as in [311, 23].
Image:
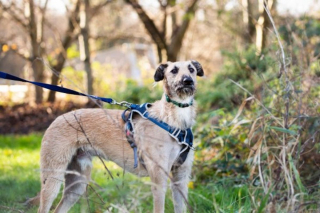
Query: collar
[181, 105]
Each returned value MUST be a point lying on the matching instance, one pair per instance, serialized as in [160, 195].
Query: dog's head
[179, 77]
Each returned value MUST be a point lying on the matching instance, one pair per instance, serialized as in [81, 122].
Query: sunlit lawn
[19, 180]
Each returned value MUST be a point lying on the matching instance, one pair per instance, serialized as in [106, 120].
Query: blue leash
[60, 89]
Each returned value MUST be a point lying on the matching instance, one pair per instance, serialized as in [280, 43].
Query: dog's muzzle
[186, 86]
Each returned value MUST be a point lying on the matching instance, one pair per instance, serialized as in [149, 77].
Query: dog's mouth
[185, 90]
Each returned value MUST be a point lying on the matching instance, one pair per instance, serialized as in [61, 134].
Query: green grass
[19, 180]
[19, 169]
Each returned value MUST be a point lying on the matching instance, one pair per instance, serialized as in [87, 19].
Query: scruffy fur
[74, 138]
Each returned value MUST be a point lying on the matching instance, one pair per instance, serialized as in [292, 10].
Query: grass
[19, 164]
[19, 180]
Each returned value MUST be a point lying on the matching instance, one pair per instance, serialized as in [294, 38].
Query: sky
[294, 7]
[298, 7]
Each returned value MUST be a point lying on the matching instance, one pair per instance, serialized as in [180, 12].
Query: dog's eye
[191, 69]
[175, 70]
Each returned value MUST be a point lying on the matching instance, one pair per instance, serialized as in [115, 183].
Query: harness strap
[181, 159]
[129, 135]
[181, 136]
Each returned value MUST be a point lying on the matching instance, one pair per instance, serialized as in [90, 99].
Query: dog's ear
[159, 75]
[198, 66]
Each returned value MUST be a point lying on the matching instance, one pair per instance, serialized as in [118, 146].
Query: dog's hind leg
[54, 161]
[76, 181]
[179, 184]
[50, 186]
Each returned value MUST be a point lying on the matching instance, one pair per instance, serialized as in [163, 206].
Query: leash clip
[122, 103]
[125, 104]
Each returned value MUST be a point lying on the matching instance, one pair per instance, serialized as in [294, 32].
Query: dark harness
[183, 137]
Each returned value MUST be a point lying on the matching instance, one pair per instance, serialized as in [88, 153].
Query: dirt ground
[26, 118]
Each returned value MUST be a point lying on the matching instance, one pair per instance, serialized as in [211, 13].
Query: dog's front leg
[179, 184]
[179, 187]
[159, 178]
[159, 189]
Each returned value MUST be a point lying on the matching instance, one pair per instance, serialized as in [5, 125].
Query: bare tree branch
[94, 10]
[164, 21]
[55, 32]
[41, 22]
[159, 37]
[9, 11]
[24, 55]
[150, 26]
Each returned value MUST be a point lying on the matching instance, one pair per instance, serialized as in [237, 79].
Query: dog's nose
[187, 81]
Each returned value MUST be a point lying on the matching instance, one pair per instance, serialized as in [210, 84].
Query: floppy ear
[198, 66]
[159, 75]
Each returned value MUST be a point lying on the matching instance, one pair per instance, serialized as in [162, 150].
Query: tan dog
[73, 138]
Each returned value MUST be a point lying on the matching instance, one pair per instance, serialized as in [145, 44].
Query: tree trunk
[54, 79]
[172, 55]
[36, 38]
[84, 44]
[62, 57]
[263, 24]
[179, 33]
[38, 74]
[248, 21]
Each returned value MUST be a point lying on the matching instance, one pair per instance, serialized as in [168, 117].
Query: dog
[71, 141]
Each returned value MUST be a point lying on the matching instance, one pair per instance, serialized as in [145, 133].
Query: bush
[262, 128]
[242, 66]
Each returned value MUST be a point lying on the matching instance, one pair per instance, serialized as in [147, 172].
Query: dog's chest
[183, 117]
